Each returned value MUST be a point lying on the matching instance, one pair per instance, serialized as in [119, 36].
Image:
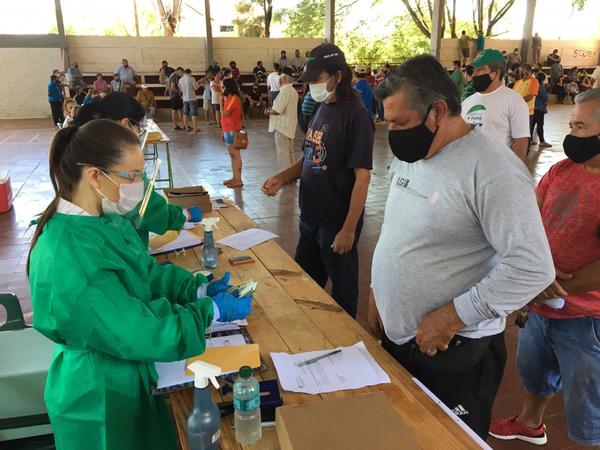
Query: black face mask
[412, 144]
[481, 82]
[581, 149]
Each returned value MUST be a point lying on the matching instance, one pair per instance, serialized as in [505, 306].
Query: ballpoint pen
[318, 358]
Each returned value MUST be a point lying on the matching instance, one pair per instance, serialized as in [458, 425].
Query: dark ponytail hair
[115, 106]
[231, 87]
[100, 143]
[343, 90]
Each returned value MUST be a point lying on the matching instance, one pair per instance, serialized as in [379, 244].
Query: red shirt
[571, 216]
[233, 122]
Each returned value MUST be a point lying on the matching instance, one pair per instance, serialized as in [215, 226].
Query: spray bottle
[209, 252]
[204, 422]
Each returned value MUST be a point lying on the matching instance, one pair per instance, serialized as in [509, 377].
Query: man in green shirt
[458, 79]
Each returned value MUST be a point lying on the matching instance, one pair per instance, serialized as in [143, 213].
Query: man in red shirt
[559, 348]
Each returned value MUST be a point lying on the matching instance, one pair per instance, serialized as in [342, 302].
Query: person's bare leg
[185, 122]
[195, 123]
[532, 411]
[218, 118]
[236, 164]
[207, 116]
[174, 117]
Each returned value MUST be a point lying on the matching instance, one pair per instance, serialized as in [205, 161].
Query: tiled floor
[202, 159]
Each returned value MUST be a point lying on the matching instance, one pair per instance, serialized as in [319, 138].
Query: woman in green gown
[110, 307]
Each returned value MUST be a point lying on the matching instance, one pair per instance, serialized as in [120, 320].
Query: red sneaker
[509, 428]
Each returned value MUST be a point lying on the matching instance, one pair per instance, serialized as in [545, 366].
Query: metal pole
[135, 18]
[435, 41]
[209, 36]
[330, 21]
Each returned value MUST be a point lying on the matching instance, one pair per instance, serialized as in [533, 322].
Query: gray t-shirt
[173, 80]
[463, 225]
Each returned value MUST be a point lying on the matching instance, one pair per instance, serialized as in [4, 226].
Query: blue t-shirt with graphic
[366, 93]
[339, 139]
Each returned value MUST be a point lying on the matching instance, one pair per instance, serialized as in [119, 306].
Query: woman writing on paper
[159, 216]
[110, 307]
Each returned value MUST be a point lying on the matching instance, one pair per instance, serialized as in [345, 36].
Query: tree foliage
[486, 15]
[254, 18]
[307, 19]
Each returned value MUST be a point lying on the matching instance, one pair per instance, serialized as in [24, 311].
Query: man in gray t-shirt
[462, 244]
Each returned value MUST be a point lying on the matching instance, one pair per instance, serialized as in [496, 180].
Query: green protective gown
[113, 311]
[159, 218]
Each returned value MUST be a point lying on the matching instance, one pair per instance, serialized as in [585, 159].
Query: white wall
[104, 53]
[246, 51]
[580, 53]
[24, 89]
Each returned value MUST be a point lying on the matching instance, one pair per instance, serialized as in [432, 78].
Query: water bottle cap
[245, 372]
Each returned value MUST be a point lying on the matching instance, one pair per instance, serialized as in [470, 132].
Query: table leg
[169, 165]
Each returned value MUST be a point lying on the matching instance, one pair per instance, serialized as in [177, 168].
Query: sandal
[227, 182]
[178, 128]
[234, 185]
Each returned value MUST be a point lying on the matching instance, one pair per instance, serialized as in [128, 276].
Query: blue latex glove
[217, 286]
[193, 214]
[232, 308]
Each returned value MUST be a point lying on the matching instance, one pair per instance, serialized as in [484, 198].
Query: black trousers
[315, 256]
[57, 112]
[537, 119]
[465, 378]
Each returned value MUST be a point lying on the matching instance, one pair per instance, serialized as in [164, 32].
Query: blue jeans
[555, 354]
[315, 256]
[190, 108]
[272, 96]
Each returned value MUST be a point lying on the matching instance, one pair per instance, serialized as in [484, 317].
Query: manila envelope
[229, 359]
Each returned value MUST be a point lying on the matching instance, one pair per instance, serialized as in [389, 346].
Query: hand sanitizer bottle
[209, 251]
[204, 422]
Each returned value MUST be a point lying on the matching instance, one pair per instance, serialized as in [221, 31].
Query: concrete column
[330, 21]
[526, 44]
[209, 37]
[60, 25]
[435, 41]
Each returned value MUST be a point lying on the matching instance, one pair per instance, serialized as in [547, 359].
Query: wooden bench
[291, 313]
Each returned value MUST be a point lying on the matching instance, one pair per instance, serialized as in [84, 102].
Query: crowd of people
[466, 238]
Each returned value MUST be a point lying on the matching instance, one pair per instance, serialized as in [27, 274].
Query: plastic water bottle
[209, 251]
[246, 401]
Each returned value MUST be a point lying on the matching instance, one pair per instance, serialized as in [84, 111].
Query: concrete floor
[202, 159]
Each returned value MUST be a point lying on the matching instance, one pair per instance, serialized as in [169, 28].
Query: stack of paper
[247, 239]
[352, 368]
[183, 241]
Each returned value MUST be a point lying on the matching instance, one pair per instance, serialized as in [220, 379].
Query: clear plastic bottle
[246, 401]
[209, 251]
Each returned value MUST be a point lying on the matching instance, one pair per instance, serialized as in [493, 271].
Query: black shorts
[466, 377]
[465, 52]
[176, 103]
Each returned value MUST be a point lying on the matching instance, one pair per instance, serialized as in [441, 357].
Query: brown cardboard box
[348, 423]
[189, 196]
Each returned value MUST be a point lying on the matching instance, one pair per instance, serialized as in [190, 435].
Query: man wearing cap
[283, 120]
[334, 176]
[501, 112]
[364, 88]
[528, 87]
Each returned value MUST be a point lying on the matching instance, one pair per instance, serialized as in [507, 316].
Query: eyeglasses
[132, 175]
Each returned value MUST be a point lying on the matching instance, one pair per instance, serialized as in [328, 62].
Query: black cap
[320, 57]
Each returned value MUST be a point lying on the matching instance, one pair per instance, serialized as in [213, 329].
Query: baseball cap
[487, 56]
[360, 69]
[320, 57]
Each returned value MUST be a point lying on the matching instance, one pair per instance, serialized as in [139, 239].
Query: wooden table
[292, 313]
[151, 126]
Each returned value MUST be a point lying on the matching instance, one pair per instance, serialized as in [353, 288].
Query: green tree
[307, 19]
[254, 18]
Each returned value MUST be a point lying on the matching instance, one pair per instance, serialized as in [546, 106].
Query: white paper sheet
[226, 326]
[184, 240]
[352, 368]
[173, 373]
[247, 239]
[453, 416]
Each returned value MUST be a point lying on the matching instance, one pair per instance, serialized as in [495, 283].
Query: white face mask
[319, 92]
[130, 195]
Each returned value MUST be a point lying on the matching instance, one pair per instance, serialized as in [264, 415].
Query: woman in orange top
[231, 121]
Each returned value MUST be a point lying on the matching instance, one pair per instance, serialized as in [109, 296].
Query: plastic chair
[14, 313]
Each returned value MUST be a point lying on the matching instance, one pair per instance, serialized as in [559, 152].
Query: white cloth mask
[130, 195]
[319, 92]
